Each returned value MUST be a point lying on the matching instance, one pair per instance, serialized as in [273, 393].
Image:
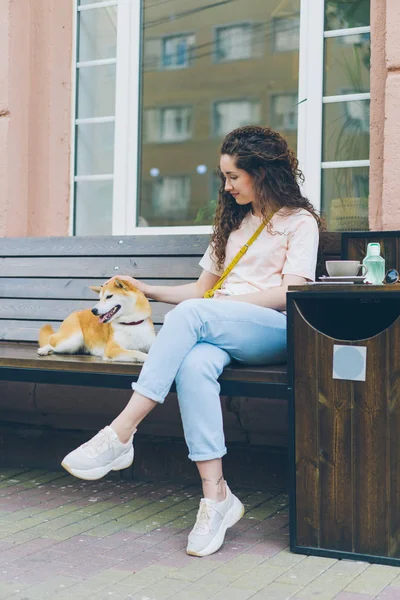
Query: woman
[244, 321]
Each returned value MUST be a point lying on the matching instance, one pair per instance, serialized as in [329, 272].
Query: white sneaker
[213, 519]
[100, 455]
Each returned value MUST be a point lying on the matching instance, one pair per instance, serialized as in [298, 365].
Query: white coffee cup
[345, 268]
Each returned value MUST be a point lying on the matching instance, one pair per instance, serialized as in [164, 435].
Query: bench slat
[58, 310]
[28, 331]
[173, 267]
[22, 331]
[139, 245]
[13, 355]
[63, 288]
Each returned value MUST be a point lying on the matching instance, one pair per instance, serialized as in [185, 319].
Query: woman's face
[237, 181]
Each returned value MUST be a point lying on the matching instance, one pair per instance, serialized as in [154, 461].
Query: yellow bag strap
[210, 293]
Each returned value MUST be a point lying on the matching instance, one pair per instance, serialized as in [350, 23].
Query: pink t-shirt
[290, 248]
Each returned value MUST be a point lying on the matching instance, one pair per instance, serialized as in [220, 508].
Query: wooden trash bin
[344, 421]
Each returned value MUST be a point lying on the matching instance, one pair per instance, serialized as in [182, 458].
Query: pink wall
[35, 124]
[384, 204]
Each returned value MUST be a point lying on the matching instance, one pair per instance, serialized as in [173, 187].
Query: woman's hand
[139, 285]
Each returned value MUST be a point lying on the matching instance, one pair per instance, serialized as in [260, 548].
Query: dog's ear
[120, 284]
[95, 288]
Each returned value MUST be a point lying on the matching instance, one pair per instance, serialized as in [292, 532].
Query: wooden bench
[44, 279]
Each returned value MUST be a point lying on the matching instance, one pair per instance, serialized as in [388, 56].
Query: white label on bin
[349, 362]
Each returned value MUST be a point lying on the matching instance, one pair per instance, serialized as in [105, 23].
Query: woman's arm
[272, 298]
[174, 294]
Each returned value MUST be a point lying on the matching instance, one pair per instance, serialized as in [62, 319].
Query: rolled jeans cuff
[150, 395]
[200, 457]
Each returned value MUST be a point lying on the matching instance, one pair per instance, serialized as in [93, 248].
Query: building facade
[112, 111]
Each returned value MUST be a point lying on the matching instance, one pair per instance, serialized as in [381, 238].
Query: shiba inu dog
[118, 327]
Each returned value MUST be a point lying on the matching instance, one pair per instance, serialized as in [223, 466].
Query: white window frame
[127, 123]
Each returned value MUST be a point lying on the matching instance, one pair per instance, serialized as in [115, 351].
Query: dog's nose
[95, 311]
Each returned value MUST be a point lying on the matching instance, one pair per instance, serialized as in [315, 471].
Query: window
[235, 42]
[171, 198]
[176, 51]
[285, 31]
[284, 112]
[334, 111]
[171, 124]
[174, 74]
[163, 73]
[234, 113]
[94, 118]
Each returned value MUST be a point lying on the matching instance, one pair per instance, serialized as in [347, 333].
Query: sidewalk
[63, 538]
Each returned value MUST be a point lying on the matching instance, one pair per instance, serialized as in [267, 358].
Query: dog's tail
[44, 335]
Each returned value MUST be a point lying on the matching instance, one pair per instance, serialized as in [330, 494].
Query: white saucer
[343, 279]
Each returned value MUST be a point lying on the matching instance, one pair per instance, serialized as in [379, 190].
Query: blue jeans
[198, 339]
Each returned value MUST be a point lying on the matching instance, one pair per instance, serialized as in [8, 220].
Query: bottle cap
[374, 249]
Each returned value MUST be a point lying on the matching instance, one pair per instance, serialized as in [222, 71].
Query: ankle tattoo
[204, 480]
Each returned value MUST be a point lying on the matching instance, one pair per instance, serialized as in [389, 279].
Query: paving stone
[8, 589]
[269, 547]
[277, 591]
[354, 596]
[268, 508]
[389, 593]
[49, 588]
[195, 569]
[164, 588]
[148, 576]
[230, 593]
[332, 581]
[258, 578]
[190, 592]
[240, 565]
[211, 583]
[115, 592]
[307, 570]
[373, 580]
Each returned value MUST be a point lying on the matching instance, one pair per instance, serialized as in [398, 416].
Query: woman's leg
[135, 411]
[199, 403]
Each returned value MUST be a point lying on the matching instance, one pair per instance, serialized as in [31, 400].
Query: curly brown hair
[266, 156]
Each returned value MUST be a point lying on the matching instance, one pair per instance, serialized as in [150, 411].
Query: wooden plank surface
[306, 432]
[57, 310]
[63, 288]
[335, 455]
[370, 431]
[14, 355]
[154, 267]
[139, 245]
[393, 409]
[22, 331]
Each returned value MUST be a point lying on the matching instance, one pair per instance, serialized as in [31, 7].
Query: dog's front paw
[44, 351]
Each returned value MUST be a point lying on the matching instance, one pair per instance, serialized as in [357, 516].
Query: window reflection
[208, 68]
